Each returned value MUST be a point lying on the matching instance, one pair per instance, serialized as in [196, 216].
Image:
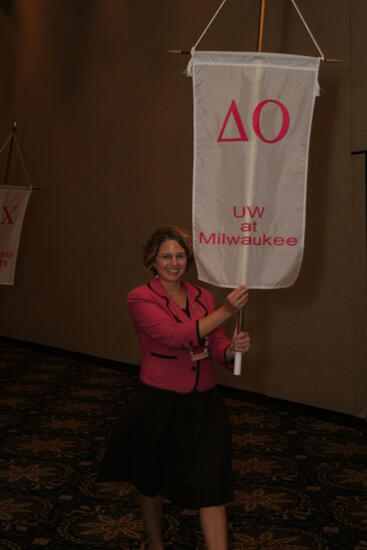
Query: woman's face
[170, 262]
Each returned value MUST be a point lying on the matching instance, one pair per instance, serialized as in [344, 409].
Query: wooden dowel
[330, 60]
[182, 52]
[261, 26]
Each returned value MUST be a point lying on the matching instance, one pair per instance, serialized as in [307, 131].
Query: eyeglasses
[180, 257]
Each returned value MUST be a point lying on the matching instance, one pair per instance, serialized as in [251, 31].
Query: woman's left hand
[241, 341]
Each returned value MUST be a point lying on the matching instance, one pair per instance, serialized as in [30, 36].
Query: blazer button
[193, 368]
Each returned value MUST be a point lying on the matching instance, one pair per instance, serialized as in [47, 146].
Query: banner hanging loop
[208, 26]
[308, 30]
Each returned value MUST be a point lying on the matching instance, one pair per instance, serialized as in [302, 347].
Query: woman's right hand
[232, 304]
[236, 300]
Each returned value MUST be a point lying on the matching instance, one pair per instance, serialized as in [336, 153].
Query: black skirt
[172, 444]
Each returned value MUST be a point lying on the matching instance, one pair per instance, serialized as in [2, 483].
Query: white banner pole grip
[237, 363]
[238, 354]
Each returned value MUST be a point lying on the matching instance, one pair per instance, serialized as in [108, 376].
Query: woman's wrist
[229, 354]
[226, 312]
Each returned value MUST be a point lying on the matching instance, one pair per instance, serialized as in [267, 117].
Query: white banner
[252, 124]
[13, 204]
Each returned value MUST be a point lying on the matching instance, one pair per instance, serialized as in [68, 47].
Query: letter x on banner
[252, 125]
[13, 204]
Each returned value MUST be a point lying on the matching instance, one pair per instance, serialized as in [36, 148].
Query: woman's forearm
[233, 302]
[213, 320]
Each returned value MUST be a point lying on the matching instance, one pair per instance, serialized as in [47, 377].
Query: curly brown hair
[165, 233]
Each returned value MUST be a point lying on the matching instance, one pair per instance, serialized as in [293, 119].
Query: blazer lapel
[171, 305]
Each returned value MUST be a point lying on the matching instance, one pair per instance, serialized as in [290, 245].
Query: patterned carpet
[300, 473]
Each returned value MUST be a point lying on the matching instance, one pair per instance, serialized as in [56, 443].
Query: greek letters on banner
[13, 204]
[252, 125]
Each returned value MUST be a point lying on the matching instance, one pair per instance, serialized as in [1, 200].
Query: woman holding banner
[173, 438]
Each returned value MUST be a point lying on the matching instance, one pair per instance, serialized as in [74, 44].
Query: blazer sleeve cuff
[201, 341]
[228, 364]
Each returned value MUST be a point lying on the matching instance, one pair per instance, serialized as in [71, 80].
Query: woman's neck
[177, 292]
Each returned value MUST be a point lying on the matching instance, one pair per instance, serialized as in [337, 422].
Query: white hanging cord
[209, 24]
[297, 9]
[6, 143]
[308, 29]
[22, 161]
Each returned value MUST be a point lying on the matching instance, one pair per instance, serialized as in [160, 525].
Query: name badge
[199, 356]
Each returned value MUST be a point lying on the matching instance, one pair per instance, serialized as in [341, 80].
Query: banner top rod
[260, 32]
[188, 52]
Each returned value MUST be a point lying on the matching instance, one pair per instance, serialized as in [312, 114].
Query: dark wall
[105, 125]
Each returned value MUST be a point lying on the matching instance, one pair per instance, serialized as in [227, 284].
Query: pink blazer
[167, 335]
